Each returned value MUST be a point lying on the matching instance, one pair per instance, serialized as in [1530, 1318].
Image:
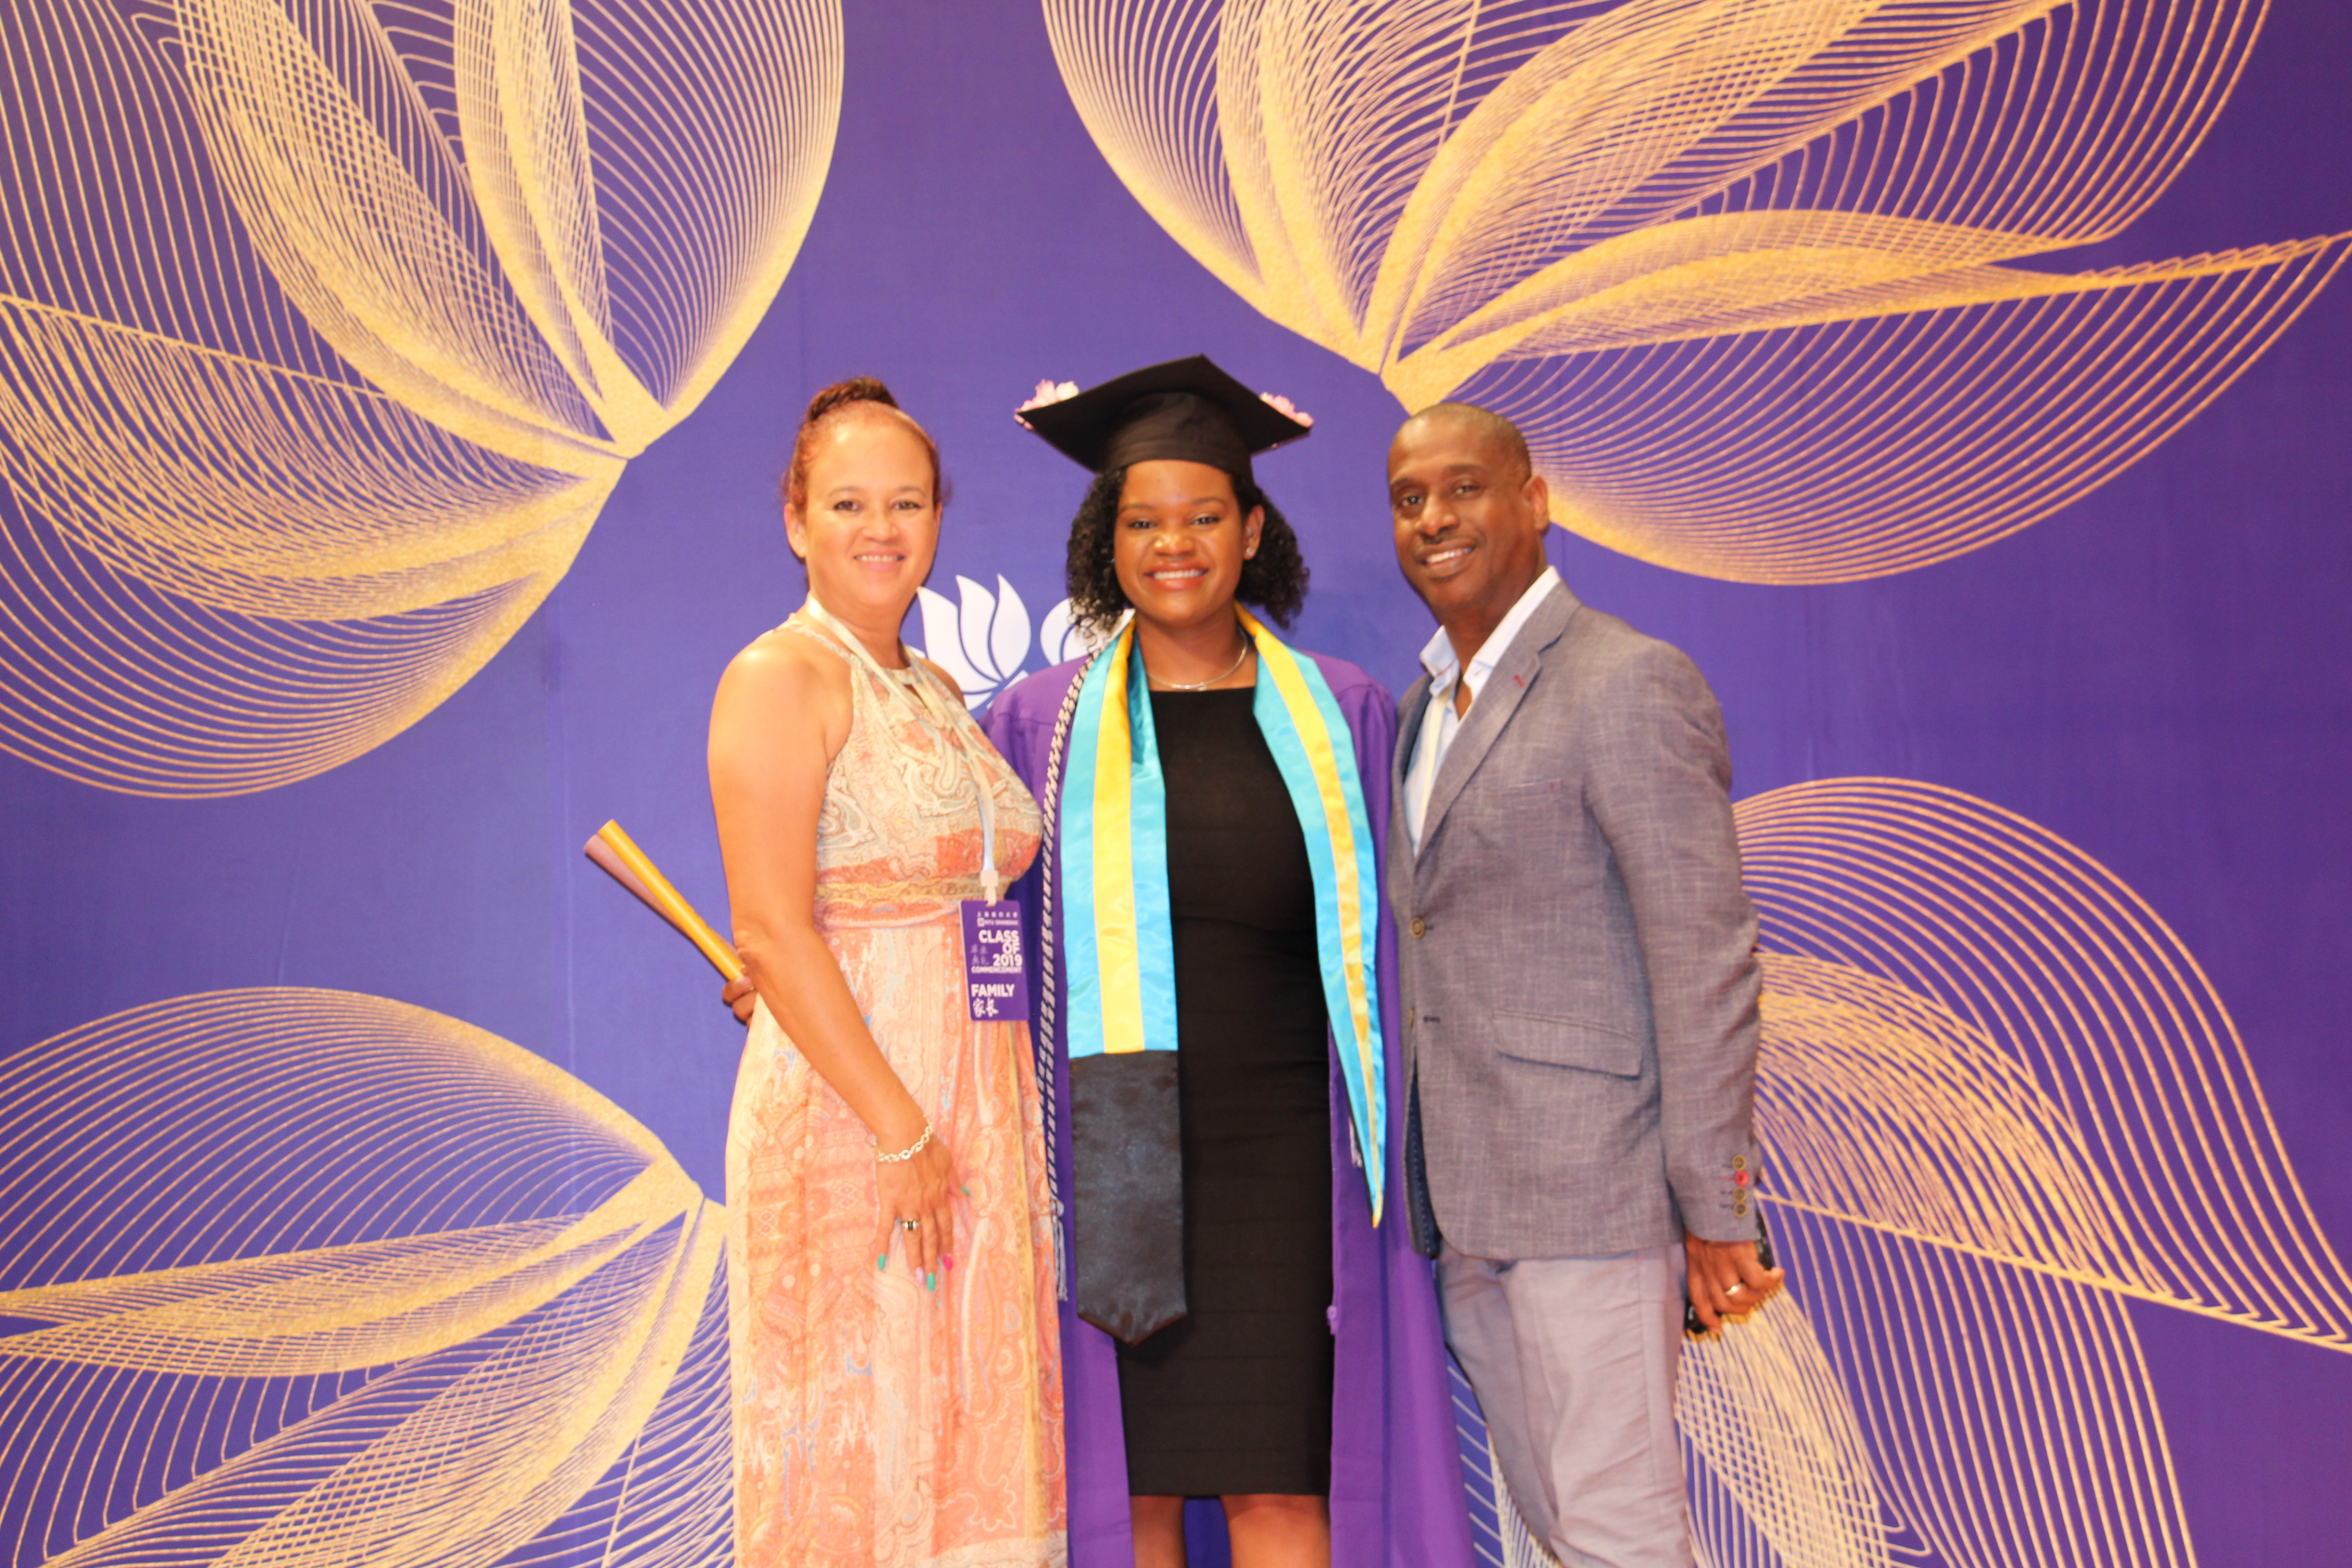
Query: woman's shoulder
[1019, 720]
[785, 664]
[1034, 700]
[782, 690]
[1351, 683]
[781, 647]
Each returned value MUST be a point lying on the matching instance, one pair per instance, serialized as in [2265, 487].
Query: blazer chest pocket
[1566, 1043]
[1487, 796]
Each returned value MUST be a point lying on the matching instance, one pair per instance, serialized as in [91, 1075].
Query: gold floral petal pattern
[668, 1502]
[131, 689]
[1780, 1472]
[332, 1280]
[262, 492]
[1879, 443]
[2048, 1080]
[306, 115]
[2011, 1416]
[1578, 208]
[1998, 1105]
[303, 415]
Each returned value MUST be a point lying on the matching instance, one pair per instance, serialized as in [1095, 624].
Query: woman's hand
[741, 998]
[921, 1189]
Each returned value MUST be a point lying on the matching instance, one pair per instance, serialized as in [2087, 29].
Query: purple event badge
[995, 969]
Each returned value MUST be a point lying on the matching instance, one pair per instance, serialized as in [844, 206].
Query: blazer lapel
[1496, 704]
[1411, 712]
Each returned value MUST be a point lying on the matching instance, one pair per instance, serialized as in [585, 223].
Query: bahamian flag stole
[1126, 1175]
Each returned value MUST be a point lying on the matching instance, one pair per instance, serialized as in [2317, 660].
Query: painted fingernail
[930, 1281]
[883, 1261]
[947, 1260]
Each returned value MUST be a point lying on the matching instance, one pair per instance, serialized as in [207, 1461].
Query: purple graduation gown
[1397, 1495]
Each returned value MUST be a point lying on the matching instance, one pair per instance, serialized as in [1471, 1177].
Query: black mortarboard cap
[1186, 409]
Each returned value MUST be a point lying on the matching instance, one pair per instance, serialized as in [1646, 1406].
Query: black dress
[1235, 1396]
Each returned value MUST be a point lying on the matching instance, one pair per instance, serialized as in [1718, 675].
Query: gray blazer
[1577, 955]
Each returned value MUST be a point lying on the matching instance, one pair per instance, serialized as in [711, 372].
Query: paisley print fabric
[877, 1422]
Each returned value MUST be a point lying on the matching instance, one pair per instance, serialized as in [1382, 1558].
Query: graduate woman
[1247, 1319]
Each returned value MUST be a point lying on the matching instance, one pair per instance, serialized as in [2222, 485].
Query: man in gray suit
[1579, 981]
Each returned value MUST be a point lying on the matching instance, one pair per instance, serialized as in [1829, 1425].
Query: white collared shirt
[1439, 722]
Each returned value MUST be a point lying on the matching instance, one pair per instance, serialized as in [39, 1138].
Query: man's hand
[1726, 1282]
[741, 996]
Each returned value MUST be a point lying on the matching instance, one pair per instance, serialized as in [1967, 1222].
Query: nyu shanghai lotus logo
[983, 639]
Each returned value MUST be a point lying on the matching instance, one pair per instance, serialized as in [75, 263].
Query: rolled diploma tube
[618, 854]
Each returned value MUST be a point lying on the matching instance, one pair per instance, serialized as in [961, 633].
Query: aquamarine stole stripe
[1366, 1079]
[1084, 1021]
[1095, 1024]
[1092, 836]
[1155, 926]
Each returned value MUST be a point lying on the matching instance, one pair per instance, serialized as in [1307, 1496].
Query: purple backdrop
[2159, 674]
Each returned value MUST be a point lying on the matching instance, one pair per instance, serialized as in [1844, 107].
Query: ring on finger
[909, 1224]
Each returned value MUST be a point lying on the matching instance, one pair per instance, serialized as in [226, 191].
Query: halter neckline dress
[878, 1421]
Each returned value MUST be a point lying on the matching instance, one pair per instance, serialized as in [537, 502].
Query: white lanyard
[918, 683]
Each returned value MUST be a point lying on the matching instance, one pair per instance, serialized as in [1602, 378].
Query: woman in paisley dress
[897, 1367]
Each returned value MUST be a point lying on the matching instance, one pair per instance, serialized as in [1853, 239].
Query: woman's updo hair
[830, 402]
[1274, 580]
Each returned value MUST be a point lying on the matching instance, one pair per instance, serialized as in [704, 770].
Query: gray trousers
[1573, 1362]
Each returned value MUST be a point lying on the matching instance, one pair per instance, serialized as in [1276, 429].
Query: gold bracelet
[908, 1152]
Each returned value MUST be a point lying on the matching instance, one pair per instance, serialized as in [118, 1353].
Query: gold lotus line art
[327, 327]
[313, 1278]
[1746, 271]
[2000, 1101]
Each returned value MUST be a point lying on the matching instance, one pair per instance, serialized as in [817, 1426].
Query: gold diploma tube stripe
[618, 854]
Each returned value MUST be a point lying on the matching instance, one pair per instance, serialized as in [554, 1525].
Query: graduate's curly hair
[1273, 581]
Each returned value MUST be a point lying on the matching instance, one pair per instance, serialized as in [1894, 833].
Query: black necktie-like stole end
[1418, 1206]
[1127, 1178]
